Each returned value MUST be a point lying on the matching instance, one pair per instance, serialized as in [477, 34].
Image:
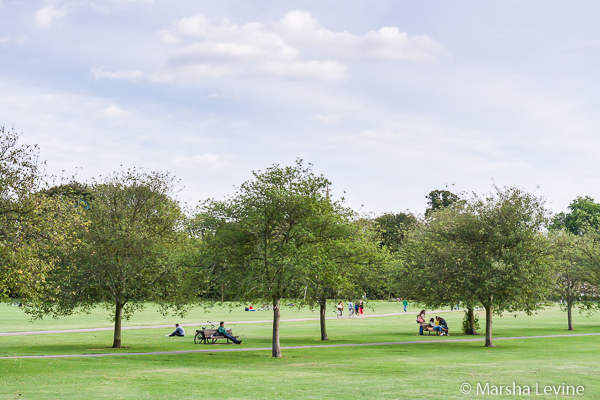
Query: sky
[389, 99]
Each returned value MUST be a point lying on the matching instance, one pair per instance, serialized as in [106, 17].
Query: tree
[583, 215]
[572, 284]
[430, 262]
[276, 238]
[128, 252]
[438, 200]
[392, 228]
[486, 249]
[344, 262]
[33, 224]
[590, 256]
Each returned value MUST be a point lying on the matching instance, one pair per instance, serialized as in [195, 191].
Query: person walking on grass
[360, 308]
[223, 332]
[405, 304]
[178, 331]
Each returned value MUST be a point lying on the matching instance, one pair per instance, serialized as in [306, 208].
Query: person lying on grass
[223, 332]
[178, 331]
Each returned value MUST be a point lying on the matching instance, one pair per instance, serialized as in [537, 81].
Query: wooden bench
[426, 328]
[210, 336]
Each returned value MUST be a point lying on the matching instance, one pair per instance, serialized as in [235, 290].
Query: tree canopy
[127, 252]
[33, 224]
[486, 249]
[438, 200]
[281, 237]
[583, 214]
[573, 286]
[392, 228]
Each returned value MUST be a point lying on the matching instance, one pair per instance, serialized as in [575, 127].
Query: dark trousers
[230, 337]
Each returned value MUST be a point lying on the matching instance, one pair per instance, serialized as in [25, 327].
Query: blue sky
[388, 99]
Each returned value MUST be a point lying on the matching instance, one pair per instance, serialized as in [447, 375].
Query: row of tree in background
[123, 240]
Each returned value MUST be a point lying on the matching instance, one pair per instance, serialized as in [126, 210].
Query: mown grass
[378, 372]
[13, 319]
[404, 371]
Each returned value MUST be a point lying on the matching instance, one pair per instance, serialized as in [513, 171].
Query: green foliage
[127, 253]
[280, 236]
[573, 284]
[392, 228]
[73, 190]
[438, 200]
[576, 255]
[33, 225]
[489, 250]
[583, 215]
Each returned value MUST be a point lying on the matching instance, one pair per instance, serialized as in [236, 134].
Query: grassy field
[404, 371]
[12, 319]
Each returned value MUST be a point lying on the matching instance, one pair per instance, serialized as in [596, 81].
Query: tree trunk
[570, 315]
[471, 317]
[118, 319]
[322, 310]
[276, 351]
[488, 325]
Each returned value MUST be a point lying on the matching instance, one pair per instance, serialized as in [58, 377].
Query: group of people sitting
[438, 324]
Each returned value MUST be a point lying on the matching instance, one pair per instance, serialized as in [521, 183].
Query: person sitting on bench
[178, 331]
[223, 332]
[432, 325]
[442, 326]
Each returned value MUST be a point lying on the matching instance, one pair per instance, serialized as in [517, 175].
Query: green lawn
[376, 372]
[13, 319]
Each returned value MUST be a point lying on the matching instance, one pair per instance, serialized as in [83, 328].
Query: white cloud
[46, 16]
[312, 70]
[211, 160]
[388, 43]
[99, 73]
[299, 21]
[330, 119]
[167, 37]
[296, 47]
[113, 111]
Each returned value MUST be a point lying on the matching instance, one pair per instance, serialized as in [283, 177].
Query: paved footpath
[269, 321]
[231, 349]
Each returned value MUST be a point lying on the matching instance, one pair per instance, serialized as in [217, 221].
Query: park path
[269, 321]
[316, 346]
